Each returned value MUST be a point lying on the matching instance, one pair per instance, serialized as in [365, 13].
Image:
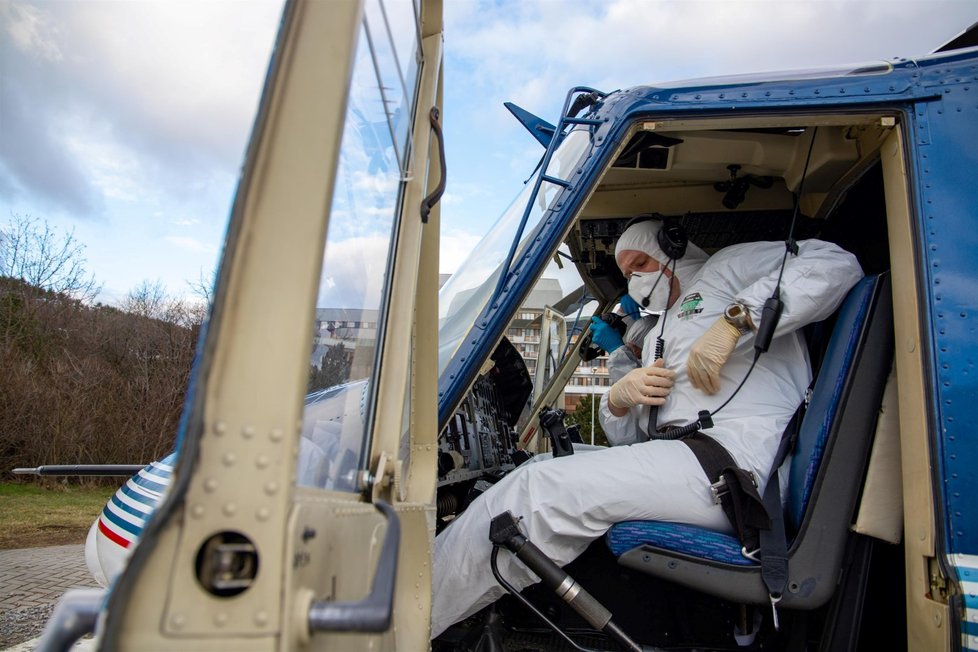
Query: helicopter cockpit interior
[727, 182]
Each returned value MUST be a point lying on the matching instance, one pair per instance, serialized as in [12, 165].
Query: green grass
[32, 515]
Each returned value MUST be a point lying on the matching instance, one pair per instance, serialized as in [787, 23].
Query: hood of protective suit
[642, 237]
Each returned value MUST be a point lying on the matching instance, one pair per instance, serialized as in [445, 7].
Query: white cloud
[523, 51]
[169, 87]
[354, 271]
[114, 170]
[115, 104]
[190, 244]
[31, 30]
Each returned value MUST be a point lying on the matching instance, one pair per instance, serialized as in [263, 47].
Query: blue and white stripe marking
[966, 567]
[125, 515]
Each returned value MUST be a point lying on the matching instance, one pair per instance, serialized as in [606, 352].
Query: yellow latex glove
[709, 353]
[642, 386]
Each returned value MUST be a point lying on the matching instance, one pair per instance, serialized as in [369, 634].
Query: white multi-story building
[346, 326]
[524, 332]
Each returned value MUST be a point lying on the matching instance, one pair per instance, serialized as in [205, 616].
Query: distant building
[356, 331]
[524, 332]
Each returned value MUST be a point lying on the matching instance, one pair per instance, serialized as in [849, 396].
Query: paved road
[31, 581]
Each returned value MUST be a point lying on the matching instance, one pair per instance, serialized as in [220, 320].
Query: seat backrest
[851, 328]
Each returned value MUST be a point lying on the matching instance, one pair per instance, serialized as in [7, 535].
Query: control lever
[552, 422]
[504, 530]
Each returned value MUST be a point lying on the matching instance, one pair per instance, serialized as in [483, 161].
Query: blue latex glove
[604, 335]
[630, 306]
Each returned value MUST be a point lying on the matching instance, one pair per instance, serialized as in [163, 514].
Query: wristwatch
[738, 316]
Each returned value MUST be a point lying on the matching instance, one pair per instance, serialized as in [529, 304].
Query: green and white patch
[691, 305]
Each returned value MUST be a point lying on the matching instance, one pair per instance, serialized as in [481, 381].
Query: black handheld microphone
[653, 426]
[770, 316]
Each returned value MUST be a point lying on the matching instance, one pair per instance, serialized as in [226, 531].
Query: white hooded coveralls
[568, 502]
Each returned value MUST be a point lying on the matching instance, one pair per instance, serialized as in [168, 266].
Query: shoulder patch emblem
[690, 306]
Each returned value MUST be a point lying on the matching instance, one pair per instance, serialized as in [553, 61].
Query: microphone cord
[770, 317]
[660, 344]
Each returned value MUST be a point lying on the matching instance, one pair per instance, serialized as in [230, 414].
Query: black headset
[672, 237]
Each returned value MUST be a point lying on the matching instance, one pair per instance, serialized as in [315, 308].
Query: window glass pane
[393, 41]
[554, 314]
[466, 293]
[350, 299]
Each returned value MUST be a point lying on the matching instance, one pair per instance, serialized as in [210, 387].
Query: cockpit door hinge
[938, 581]
[384, 483]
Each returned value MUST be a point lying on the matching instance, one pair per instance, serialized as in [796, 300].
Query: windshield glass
[466, 293]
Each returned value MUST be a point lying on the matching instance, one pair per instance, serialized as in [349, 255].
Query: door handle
[429, 202]
[373, 613]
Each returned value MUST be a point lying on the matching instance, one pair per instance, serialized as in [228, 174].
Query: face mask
[649, 289]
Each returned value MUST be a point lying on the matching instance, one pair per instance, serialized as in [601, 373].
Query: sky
[125, 123]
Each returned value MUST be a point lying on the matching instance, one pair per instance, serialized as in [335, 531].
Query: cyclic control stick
[504, 531]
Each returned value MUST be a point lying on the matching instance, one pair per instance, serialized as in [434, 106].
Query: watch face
[736, 315]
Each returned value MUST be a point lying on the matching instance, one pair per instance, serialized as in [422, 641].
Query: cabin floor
[658, 613]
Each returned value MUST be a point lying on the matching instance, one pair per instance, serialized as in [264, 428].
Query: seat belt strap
[733, 488]
[773, 542]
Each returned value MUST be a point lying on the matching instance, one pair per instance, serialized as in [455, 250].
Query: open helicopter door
[289, 525]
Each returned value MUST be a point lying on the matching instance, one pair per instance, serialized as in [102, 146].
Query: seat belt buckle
[719, 489]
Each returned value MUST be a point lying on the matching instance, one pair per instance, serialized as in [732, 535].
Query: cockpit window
[465, 294]
[545, 329]
[356, 261]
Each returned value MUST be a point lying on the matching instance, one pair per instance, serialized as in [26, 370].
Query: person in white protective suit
[567, 502]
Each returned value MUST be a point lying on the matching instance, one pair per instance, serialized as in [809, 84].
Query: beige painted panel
[335, 536]
[881, 504]
[926, 618]
[421, 476]
[333, 557]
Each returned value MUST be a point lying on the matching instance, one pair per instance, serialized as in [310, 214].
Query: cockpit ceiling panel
[677, 199]
[705, 156]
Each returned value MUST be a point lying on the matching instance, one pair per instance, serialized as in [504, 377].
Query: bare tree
[203, 287]
[151, 299]
[34, 252]
[148, 299]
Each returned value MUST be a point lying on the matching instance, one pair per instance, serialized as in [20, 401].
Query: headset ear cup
[672, 238]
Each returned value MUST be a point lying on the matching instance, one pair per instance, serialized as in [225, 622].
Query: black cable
[770, 315]
[512, 590]
[790, 245]
[746, 376]
[660, 345]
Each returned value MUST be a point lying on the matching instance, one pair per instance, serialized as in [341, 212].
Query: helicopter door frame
[237, 453]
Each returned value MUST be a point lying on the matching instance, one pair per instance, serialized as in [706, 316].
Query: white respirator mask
[649, 290]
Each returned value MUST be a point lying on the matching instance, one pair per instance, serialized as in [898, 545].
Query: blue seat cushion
[677, 537]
